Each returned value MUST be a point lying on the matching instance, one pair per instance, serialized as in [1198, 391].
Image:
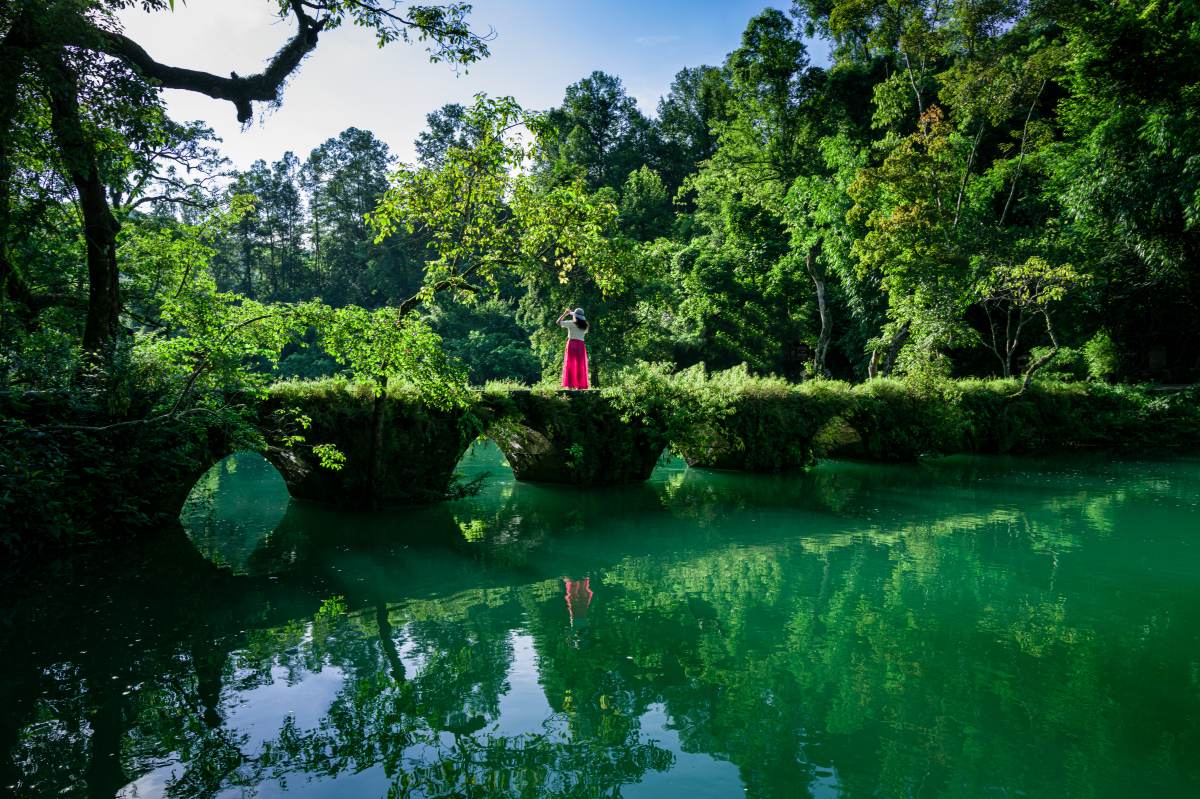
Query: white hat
[578, 313]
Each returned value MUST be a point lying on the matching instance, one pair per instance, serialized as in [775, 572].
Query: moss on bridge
[573, 437]
[733, 421]
[421, 445]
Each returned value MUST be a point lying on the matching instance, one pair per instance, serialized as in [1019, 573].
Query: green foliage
[486, 338]
[384, 344]
[597, 135]
[759, 424]
[1012, 178]
[902, 420]
[1053, 414]
[674, 406]
[596, 439]
[451, 38]
[309, 363]
[68, 474]
[1102, 355]
[765, 424]
[1066, 364]
[483, 215]
[646, 212]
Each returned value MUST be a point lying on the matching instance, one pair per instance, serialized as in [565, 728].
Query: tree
[483, 215]
[345, 178]
[600, 134]
[100, 87]
[767, 142]
[1125, 171]
[448, 127]
[1026, 290]
[645, 206]
[688, 118]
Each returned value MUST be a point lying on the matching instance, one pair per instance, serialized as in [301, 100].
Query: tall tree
[449, 126]
[770, 140]
[688, 118]
[601, 134]
[345, 179]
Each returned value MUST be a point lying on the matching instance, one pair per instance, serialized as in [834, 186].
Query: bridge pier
[421, 448]
[766, 432]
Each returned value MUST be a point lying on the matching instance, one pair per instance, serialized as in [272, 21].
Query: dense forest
[969, 189]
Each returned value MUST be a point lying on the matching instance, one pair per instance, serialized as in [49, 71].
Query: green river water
[973, 627]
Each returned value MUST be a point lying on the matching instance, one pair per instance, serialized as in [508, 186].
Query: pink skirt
[575, 368]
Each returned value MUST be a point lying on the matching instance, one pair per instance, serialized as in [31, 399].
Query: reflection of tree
[419, 730]
[954, 649]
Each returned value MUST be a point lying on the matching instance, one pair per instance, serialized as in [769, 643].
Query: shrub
[1103, 356]
[1067, 364]
[763, 424]
[62, 479]
[901, 419]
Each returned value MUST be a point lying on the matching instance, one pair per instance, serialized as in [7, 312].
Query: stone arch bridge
[569, 437]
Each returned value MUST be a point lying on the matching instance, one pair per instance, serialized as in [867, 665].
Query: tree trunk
[375, 452]
[12, 52]
[104, 291]
[1042, 361]
[385, 641]
[818, 278]
[889, 362]
[873, 365]
[247, 259]
[100, 227]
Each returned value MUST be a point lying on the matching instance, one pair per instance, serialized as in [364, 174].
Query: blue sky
[541, 47]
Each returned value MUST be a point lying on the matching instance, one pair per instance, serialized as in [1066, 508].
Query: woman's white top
[573, 330]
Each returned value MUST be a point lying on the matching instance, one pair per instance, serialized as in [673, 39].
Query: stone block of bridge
[575, 438]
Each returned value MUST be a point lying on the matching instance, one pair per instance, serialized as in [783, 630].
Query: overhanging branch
[241, 91]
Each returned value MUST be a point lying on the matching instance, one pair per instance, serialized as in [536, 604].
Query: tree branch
[1021, 160]
[132, 423]
[967, 172]
[40, 302]
[263, 87]
[1045, 359]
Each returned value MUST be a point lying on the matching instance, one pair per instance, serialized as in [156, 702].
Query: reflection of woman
[579, 596]
[575, 364]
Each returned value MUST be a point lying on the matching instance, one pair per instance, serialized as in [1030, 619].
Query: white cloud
[655, 41]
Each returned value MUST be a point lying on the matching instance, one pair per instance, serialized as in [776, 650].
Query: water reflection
[228, 526]
[966, 627]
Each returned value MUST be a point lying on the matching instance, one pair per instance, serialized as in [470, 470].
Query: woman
[575, 365]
